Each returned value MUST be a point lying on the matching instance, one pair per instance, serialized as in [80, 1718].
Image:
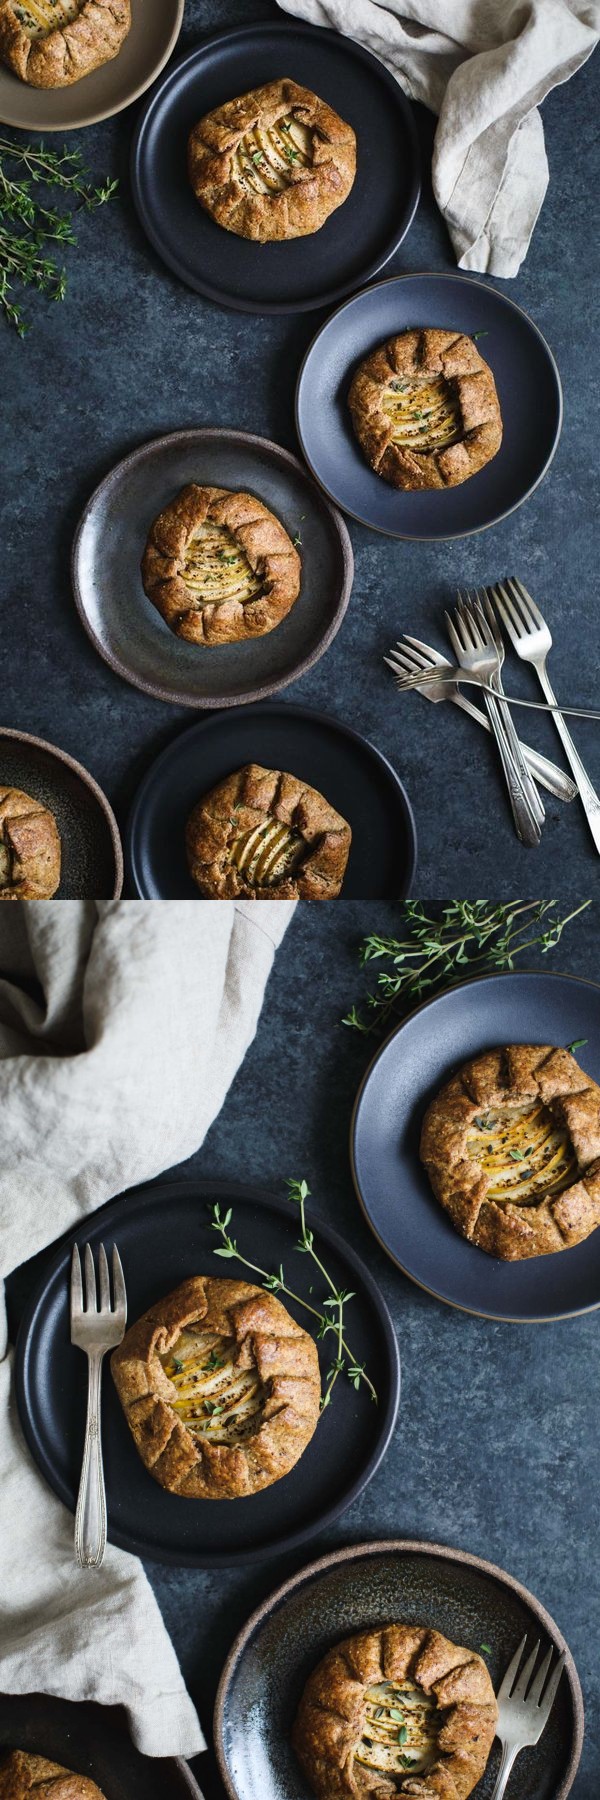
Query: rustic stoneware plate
[155, 28]
[529, 392]
[472, 1602]
[353, 243]
[391, 1183]
[164, 1234]
[93, 1741]
[92, 858]
[128, 631]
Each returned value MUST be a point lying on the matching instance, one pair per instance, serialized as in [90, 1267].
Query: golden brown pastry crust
[332, 1714]
[27, 1777]
[416, 356]
[29, 848]
[313, 191]
[265, 545]
[238, 806]
[266, 1338]
[68, 52]
[509, 1077]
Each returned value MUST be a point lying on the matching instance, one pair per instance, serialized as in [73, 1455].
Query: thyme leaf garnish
[29, 227]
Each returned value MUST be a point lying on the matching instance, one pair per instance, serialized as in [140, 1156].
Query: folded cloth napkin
[484, 66]
[122, 1025]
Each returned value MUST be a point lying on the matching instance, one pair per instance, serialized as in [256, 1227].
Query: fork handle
[509, 1756]
[588, 796]
[546, 772]
[90, 1517]
[526, 826]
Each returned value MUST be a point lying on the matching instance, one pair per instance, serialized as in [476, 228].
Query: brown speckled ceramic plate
[472, 1602]
[92, 857]
[94, 1741]
[155, 28]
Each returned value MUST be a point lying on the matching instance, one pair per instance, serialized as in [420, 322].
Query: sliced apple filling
[267, 853]
[214, 1399]
[267, 156]
[215, 567]
[39, 17]
[425, 414]
[524, 1153]
[400, 1730]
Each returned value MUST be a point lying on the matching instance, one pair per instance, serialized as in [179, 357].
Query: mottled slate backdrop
[132, 354]
[496, 1449]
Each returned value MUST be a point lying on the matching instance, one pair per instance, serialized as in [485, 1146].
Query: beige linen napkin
[108, 1076]
[485, 66]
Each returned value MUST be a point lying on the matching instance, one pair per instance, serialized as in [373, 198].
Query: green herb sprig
[332, 1319]
[471, 937]
[28, 227]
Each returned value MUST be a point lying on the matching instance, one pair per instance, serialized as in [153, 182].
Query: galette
[25, 1776]
[30, 852]
[265, 835]
[219, 566]
[52, 43]
[272, 164]
[425, 409]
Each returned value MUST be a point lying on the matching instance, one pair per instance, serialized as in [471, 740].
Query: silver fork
[471, 605]
[410, 655]
[94, 1329]
[531, 638]
[480, 658]
[524, 1709]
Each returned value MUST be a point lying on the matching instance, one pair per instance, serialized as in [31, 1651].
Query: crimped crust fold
[30, 854]
[238, 806]
[24, 1776]
[266, 547]
[68, 51]
[453, 364]
[312, 191]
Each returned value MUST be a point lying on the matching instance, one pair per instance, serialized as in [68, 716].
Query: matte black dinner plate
[353, 244]
[528, 387]
[129, 632]
[94, 1741]
[365, 1585]
[91, 854]
[164, 1235]
[391, 1183]
[350, 772]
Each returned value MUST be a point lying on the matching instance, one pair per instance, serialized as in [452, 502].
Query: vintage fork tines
[95, 1328]
[525, 1699]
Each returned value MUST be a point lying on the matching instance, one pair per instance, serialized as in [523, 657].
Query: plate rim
[235, 1192]
[385, 1547]
[179, 1762]
[274, 451]
[89, 781]
[474, 1312]
[306, 712]
[347, 46]
[454, 275]
[96, 118]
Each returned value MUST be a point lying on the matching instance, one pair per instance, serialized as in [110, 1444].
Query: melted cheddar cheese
[215, 568]
[267, 852]
[266, 157]
[39, 17]
[400, 1730]
[524, 1154]
[425, 414]
[214, 1400]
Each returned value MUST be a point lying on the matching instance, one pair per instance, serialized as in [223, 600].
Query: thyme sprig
[28, 225]
[331, 1319]
[471, 937]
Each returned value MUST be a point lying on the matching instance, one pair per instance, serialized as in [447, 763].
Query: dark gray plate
[471, 1601]
[92, 858]
[128, 631]
[528, 386]
[94, 1741]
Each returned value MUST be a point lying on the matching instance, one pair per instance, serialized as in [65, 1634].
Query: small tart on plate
[267, 836]
[24, 1776]
[425, 410]
[397, 1710]
[29, 848]
[52, 43]
[511, 1146]
[272, 164]
[219, 566]
[220, 1388]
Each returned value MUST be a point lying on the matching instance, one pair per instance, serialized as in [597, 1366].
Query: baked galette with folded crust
[265, 835]
[29, 848]
[220, 1388]
[511, 1146]
[273, 163]
[24, 1776]
[397, 1710]
[425, 409]
[219, 566]
[52, 43]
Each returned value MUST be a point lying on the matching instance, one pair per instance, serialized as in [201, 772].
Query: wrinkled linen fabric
[484, 66]
[122, 1025]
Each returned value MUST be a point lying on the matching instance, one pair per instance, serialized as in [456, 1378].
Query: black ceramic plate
[392, 1185]
[528, 386]
[92, 858]
[353, 244]
[94, 1741]
[163, 1233]
[471, 1601]
[128, 631]
[352, 775]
